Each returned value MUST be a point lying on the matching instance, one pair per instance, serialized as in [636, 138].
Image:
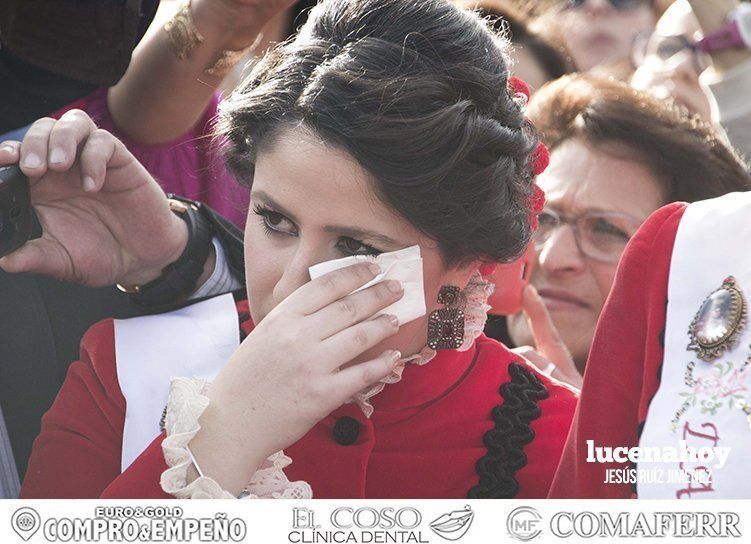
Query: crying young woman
[389, 166]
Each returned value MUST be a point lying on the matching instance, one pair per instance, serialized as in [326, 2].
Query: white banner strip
[373, 521]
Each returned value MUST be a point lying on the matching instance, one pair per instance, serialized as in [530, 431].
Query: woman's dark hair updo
[416, 92]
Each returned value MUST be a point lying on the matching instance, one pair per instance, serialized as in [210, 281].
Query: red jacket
[623, 370]
[479, 423]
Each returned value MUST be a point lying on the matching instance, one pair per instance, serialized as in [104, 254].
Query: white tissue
[404, 266]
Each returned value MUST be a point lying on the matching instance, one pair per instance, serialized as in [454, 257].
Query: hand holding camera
[105, 220]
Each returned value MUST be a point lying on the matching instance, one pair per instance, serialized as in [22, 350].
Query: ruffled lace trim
[475, 305]
[476, 308]
[363, 397]
[187, 401]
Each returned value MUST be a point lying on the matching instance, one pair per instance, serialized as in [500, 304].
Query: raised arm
[169, 82]
[712, 15]
[728, 78]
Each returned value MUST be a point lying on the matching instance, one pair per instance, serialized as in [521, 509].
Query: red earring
[446, 326]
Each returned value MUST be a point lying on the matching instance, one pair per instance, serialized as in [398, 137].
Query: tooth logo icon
[454, 525]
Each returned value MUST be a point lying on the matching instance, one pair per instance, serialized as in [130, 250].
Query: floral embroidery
[725, 387]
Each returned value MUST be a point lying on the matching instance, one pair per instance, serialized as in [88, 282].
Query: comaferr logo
[646, 524]
[524, 523]
[454, 525]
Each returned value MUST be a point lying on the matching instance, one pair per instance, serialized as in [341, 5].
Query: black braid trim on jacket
[512, 431]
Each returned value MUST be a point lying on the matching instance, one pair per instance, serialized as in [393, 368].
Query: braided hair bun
[417, 93]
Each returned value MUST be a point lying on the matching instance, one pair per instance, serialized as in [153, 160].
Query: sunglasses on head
[620, 5]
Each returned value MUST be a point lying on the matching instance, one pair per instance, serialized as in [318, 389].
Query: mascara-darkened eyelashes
[266, 214]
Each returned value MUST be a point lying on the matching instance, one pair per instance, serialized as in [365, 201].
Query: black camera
[15, 209]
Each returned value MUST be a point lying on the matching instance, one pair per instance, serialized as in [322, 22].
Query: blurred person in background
[164, 106]
[279, 28]
[537, 58]
[616, 155]
[599, 33]
[668, 63]
[712, 78]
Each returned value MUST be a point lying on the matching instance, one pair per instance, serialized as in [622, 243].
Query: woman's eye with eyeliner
[274, 222]
[350, 246]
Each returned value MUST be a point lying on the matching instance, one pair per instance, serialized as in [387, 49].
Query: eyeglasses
[600, 236]
[664, 53]
[620, 5]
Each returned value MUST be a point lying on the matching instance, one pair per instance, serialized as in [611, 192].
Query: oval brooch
[718, 322]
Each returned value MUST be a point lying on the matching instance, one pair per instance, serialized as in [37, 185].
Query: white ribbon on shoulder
[711, 244]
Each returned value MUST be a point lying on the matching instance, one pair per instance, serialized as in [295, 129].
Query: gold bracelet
[184, 37]
[182, 32]
[226, 61]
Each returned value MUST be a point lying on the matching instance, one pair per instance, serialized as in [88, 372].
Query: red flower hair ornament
[540, 157]
[539, 160]
[518, 87]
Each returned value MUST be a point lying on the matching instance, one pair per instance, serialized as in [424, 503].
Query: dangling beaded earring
[446, 326]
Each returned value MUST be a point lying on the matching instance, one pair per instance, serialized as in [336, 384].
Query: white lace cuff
[186, 403]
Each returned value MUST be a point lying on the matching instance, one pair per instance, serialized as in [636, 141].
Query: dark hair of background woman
[687, 155]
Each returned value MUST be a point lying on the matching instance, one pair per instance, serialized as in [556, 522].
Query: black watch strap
[178, 280]
[231, 238]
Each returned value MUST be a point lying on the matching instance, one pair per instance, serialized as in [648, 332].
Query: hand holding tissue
[404, 266]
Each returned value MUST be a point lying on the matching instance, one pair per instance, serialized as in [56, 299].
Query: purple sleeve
[189, 166]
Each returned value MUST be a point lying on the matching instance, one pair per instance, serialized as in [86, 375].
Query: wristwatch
[736, 34]
[178, 279]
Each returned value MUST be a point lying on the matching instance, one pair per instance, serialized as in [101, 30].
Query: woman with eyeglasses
[617, 155]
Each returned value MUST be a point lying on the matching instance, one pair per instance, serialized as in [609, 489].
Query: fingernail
[394, 286]
[57, 156]
[32, 161]
[88, 184]
[7, 148]
[395, 356]
[394, 320]
[374, 269]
